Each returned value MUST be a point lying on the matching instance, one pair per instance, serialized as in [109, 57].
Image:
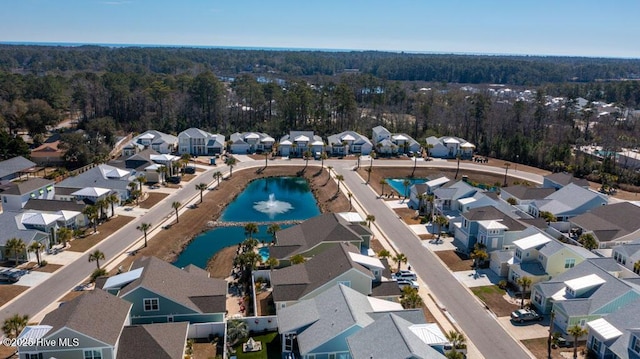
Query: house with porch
[314, 235]
[449, 147]
[617, 335]
[610, 225]
[16, 194]
[191, 296]
[296, 143]
[591, 290]
[628, 255]
[251, 142]
[37, 229]
[102, 176]
[70, 211]
[560, 179]
[158, 141]
[71, 331]
[348, 142]
[320, 327]
[385, 142]
[14, 167]
[567, 202]
[195, 141]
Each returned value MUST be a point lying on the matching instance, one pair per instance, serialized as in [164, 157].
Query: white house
[195, 141]
[392, 143]
[16, 194]
[296, 143]
[251, 142]
[348, 142]
[449, 147]
[156, 140]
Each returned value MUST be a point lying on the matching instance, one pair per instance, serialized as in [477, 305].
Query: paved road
[481, 327]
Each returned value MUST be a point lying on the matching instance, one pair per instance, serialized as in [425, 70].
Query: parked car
[174, 179]
[408, 283]
[561, 342]
[404, 274]
[11, 276]
[189, 170]
[525, 315]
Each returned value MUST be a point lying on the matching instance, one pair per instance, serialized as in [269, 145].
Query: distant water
[398, 183]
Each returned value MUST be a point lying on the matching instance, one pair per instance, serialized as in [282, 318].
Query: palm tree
[358, 156]
[421, 198]
[297, 259]
[237, 330]
[201, 187]
[329, 169]
[551, 337]
[431, 199]
[92, 214]
[369, 170]
[458, 166]
[636, 266]
[36, 247]
[112, 199]
[440, 221]
[456, 339]
[266, 159]
[406, 183]
[383, 182]
[479, 255]
[307, 156]
[399, 259]
[323, 157]
[506, 169]
[15, 246]
[370, 219]
[64, 235]
[13, 326]
[250, 229]
[272, 262]
[272, 230]
[454, 354]
[576, 332]
[231, 162]
[588, 241]
[249, 244]
[102, 205]
[217, 176]
[415, 164]
[141, 180]
[410, 298]
[339, 178]
[384, 254]
[144, 227]
[524, 283]
[162, 173]
[96, 256]
[350, 195]
[184, 159]
[176, 206]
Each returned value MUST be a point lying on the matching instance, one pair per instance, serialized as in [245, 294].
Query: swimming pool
[398, 183]
[264, 253]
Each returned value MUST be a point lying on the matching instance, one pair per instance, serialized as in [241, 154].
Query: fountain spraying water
[272, 207]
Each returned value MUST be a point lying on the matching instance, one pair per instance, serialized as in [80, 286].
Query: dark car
[189, 170]
[9, 276]
[525, 315]
[174, 179]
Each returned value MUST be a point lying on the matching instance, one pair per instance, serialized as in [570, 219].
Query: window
[151, 304]
[635, 344]
[537, 298]
[518, 253]
[595, 344]
[569, 263]
[92, 354]
[332, 356]
[346, 283]
[4, 199]
[34, 356]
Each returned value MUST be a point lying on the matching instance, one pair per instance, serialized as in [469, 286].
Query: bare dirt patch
[203, 350]
[10, 291]
[408, 215]
[455, 261]
[187, 177]
[152, 199]
[538, 347]
[221, 264]
[493, 298]
[376, 245]
[7, 351]
[49, 268]
[104, 230]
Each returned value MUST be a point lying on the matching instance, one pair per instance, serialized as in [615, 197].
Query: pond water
[264, 200]
[398, 183]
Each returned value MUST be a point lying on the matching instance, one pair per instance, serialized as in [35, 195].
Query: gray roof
[525, 192]
[492, 213]
[96, 177]
[385, 289]
[533, 268]
[550, 248]
[630, 250]
[611, 221]
[52, 205]
[14, 165]
[24, 187]
[194, 291]
[564, 178]
[399, 341]
[294, 282]
[329, 227]
[359, 139]
[159, 340]
[158, 137]
[626, 320]
[12, 228]
[455, 190]
[567, 199]
[502, 256]
[84, 312]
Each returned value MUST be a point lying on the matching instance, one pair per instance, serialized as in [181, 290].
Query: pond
[265, 200]
[398, 183]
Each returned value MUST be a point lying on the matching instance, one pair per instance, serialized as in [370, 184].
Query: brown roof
[53, 205]
[611, 221]
[158, 341]
[194, 291]
[328, 227]
[47, 150]
[95, 313]
[296, 281]
[386, 289]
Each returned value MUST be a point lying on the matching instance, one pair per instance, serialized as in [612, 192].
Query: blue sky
[540, 27]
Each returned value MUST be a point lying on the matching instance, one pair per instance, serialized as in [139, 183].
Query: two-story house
[616, 336]
[195, 141]
[16, 194]
[386, 142]
[33, 230]
[610, 225]
[489, 226]
[449, 147]
[102, 176]
[348, 142]
[250, 142]
[523, 195]
[297, 143]
[155, 140]
[628, 255]
[567, 202]
[560, 179]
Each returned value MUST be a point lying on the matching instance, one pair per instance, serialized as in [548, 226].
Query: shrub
[43, 263]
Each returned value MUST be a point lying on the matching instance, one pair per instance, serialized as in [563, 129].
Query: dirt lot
[10, 291]
[152, 199]
[455, 261]
[104, 230]
[538, 348]
[493, 297]
[408, 215]
[49, 268]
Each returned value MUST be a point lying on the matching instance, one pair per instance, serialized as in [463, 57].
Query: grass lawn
[270, 347]
[493, 297]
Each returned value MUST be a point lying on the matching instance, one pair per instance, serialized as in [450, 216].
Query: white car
[408, 283]
[404, 275]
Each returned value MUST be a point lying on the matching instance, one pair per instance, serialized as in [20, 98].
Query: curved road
[481, 328]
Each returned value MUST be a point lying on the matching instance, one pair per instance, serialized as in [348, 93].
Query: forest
[114, 91]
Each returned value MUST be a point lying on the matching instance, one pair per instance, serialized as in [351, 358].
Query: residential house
[36, 229]
[447, 197]
[48, 154]
[386, 142]
[449, 147]
[147, 163]
[321, 326]
[102, 176]
[567, 202]
[70, 211]
[560, 179]
[197, 142]
[14, 167]
[88, 326]
[541, 257]
[251, 142]
[158, 141]
[297, 143]
[616, 335]
[589, 291]
[523, 195]
[161, 293]
[610, 225]
[348, 142]
[339, 263]
[158, 340]
[16, 194]
[315, 234]
[425, 189]
[628, 255]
